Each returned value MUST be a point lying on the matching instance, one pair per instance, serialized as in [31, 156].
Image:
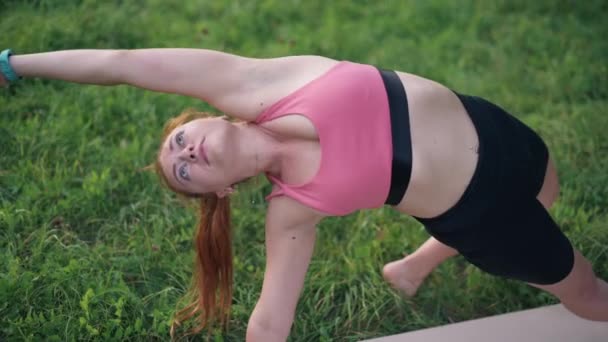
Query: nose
[188, 153]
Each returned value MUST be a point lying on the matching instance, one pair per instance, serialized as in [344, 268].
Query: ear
[225, 192]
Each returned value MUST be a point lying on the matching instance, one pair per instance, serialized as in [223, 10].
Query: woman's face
[196, 157]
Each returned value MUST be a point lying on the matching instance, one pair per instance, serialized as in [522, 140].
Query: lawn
[93, 248]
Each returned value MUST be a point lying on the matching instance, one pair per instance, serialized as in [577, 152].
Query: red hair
[210, 294]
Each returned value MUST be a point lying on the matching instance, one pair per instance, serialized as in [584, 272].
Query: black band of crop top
[401, 169]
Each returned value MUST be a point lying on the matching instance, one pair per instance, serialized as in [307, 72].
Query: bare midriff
[444, 148]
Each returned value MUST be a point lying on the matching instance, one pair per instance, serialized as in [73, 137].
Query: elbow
[267, 330]
[117, 66]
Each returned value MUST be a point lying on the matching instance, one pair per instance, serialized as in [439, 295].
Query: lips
[203, 154]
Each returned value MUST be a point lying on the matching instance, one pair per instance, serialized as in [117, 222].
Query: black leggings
[498, 224]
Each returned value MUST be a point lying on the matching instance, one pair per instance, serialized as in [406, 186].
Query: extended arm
[212, 76]
[290, 238]
[238, 86]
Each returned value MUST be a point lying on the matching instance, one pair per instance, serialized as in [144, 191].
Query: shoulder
[290, 68]
[276, 78]
[285, 212]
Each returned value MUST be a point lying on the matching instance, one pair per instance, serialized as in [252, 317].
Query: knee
[590, 287]
[552, 196]
[556, 189]
[550, 189]
[553, 179]
[580, 284]
[587, 288]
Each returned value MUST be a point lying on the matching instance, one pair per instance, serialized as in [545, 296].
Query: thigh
[522, 242]
[577, 283]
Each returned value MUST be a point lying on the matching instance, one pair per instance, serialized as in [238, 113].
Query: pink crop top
[348, 106]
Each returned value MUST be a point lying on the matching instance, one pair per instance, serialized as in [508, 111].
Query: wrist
[5, 67]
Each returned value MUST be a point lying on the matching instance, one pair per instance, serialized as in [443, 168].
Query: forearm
[80, 66]
[206, 74]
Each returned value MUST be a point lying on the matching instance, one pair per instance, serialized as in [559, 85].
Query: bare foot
[404, 276]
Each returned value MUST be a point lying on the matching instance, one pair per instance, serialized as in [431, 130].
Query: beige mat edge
[552, 323]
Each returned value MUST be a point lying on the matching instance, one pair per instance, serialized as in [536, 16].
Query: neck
[261, 152]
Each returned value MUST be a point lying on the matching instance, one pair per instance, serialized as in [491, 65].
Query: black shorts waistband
[479, 191]
[511, 166]
[401, 169]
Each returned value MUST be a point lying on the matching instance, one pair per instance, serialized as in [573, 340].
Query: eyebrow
[175, 175]
[171, 145]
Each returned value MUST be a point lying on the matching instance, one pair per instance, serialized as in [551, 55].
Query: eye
[183, 173]
[179, 138]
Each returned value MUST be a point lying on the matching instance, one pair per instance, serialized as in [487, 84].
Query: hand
[3, 81]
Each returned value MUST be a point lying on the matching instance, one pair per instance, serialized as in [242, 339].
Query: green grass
[93, 249]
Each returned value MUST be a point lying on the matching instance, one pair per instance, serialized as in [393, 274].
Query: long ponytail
[211, 292]
[210, 295]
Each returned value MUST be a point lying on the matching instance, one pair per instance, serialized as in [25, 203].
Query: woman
[334, 137]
